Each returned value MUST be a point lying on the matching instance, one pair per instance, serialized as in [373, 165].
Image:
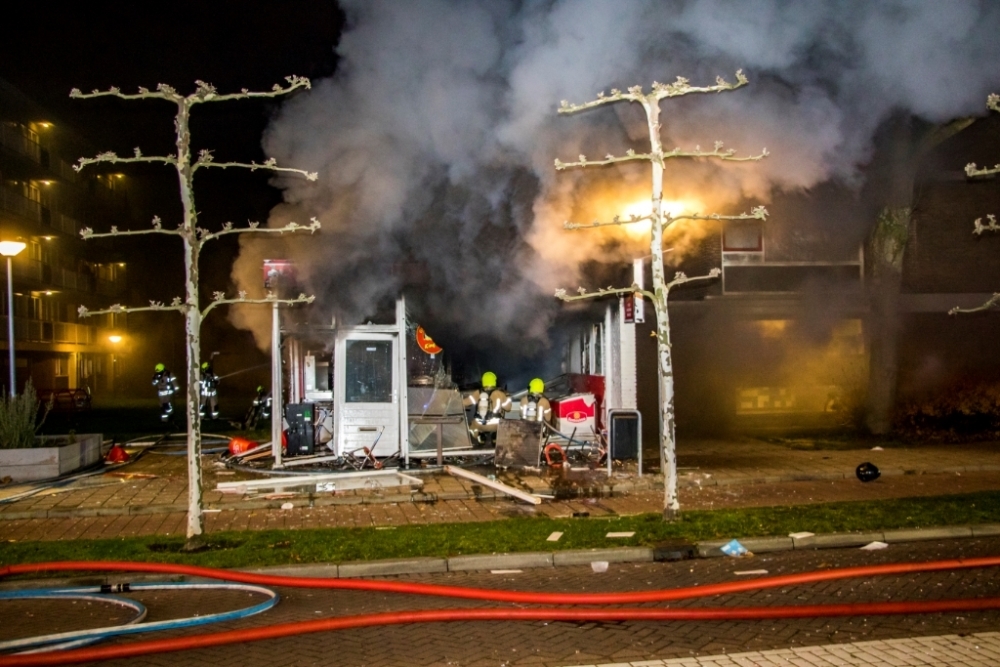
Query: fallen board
[496, 486]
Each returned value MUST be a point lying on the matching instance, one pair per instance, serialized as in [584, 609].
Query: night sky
[230, 44]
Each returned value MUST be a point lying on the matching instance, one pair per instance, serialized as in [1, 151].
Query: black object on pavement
[867, 472]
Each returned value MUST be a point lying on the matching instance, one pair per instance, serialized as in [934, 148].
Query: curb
[519, 561]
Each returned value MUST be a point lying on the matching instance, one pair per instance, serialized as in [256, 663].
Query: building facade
[44, 203]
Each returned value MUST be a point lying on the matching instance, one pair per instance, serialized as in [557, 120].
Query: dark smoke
[435, 139]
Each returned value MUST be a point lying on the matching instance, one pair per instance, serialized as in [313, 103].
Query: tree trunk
[192, 327]
[664, 364]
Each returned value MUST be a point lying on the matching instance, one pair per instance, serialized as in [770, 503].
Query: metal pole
[10, 325]
[276, 402]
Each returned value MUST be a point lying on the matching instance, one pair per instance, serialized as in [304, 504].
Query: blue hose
[64, 640]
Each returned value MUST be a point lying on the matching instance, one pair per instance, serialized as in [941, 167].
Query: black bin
[301, 436]
[626, 434]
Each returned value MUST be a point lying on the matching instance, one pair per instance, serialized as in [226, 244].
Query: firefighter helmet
[159, 368]
[536, 386]
[867, 472]
[489, 379]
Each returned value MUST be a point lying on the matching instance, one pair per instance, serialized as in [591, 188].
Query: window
[742, 236]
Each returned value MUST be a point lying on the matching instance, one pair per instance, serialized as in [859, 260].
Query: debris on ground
[734, 549]
[874, 546]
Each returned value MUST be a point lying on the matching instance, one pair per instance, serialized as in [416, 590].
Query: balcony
[13, 139]
[37, 331]
[18, 204]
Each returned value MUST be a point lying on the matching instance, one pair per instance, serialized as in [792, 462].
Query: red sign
[628, 304]
[576, 409]
[427, 343]
[278, 271]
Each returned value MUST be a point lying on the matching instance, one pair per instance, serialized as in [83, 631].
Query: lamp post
[8, 249]
[115, 361]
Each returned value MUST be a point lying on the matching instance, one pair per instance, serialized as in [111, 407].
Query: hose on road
[503, 614]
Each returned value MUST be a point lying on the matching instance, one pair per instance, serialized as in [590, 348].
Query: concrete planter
[56, 456]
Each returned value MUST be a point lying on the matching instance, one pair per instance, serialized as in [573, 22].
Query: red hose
[504, 595]
[505, 614]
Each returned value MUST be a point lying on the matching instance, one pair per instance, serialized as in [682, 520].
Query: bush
[968, 408]
[18, 415]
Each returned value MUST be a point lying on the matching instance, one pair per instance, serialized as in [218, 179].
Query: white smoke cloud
[436, 137]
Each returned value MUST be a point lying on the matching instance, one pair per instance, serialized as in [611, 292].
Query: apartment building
[44, 203]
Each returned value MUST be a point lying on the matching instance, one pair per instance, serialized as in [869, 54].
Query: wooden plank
[496, 486]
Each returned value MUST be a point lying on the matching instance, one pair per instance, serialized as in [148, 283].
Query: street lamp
[8, 249]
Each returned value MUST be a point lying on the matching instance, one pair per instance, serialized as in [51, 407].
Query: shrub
[18, 415]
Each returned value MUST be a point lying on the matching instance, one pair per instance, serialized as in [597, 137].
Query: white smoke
[436, 137]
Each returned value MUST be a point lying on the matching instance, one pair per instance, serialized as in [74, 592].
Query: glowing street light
[9, 249]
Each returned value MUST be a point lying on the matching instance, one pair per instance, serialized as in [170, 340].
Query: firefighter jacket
[490, 406]
[209, 383]
[165, 383]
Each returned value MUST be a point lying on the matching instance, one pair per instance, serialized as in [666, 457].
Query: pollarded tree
[972, 171]
[194, 238]
[659, 220]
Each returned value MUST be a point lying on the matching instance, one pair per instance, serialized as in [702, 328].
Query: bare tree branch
[990, 303]
[718, 153]
[88, 233]
[991, 225]
[204, 92]
[229, 228]
[680, 278]
[630, 156]
[163, 92]
[117, 308]
[114, 158]
[614, 221]
[659, 91]
[583, 294]
[756, 213]
[206, 159]
[219, 299]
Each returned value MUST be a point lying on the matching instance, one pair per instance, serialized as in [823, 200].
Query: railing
[11, 137]
[27, 270]
[18, 204]
[37, 331]
[65, 224]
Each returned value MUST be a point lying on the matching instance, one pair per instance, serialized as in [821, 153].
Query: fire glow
[671, 207]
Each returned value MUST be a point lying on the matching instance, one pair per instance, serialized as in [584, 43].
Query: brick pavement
[981, 649]
[713, 474]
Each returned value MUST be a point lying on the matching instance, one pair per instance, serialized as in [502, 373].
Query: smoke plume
[436, 137]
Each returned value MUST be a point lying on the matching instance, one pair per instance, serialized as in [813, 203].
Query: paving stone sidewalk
[150, 495]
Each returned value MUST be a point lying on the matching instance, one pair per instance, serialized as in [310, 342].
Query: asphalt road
[541, 644]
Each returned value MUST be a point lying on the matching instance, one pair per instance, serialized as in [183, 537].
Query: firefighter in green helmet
[209, 385]
[489, 406]
[534, 406]
[166, 385]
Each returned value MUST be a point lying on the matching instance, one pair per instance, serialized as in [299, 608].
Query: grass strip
[242, 549]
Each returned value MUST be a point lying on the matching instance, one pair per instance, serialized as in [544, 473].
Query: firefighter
[166, 385]
[209, 390]
[535, 407]
[490, 404]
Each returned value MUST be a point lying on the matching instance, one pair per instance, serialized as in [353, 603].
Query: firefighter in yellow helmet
[489, 405]
[534, 406]
[166, 385]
